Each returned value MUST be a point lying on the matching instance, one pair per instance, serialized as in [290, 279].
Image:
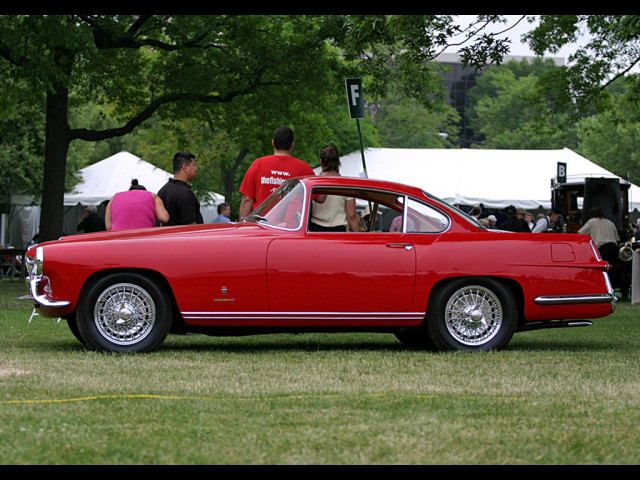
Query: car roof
[324, 180]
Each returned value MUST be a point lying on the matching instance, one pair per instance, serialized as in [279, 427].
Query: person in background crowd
[545, 223]
[267, 173]
[90, 222]
[476, 212]
[515, 220]
[181, 203]
[333, 212]
[135, 208]
[604, 234]
[528, 217]
[492, 222]
[224, 213]
[520, 214]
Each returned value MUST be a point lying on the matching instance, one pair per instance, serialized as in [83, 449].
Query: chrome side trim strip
[303, 315]
[575, 299]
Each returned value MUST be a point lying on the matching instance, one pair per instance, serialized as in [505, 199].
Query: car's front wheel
[471, 314]
[124, 312]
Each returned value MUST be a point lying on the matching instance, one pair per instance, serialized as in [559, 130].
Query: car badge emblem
[224, 290]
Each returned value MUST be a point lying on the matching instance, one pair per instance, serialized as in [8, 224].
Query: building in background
[459, 79]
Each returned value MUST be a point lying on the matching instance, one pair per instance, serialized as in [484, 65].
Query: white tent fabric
[99, 182]
[107, 177]
[495, 178]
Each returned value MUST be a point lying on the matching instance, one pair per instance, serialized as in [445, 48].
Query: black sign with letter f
[355, 98]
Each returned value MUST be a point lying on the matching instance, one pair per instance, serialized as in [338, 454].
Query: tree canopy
[607, 47]
[137, 66]
[222, 83]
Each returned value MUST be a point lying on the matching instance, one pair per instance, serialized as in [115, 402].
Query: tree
[404, 123]
[142, 64]
[607, 48]
[147, 64]
[507, 109]
[611, 137]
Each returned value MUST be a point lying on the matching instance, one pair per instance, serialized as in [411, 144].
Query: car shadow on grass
[280, 342]
[196, 343]
[386, 342]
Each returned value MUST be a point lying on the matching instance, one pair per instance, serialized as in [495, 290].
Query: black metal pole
[364, 163]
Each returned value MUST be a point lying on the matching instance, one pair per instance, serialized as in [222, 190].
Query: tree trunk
[57, 139]
[229, 174]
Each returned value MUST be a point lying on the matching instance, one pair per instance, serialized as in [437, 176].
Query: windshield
[283, 208]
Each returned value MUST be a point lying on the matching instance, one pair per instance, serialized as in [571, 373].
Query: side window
[332, 210]
[423, 218]
[375, 210]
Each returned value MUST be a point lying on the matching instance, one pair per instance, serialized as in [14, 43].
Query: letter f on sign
[354, 94]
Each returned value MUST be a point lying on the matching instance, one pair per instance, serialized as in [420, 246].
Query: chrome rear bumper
[597, 298]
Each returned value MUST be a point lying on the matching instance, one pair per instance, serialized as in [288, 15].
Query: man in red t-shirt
[266, 174]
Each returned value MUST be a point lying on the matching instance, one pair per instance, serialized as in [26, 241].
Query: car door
[341, 272]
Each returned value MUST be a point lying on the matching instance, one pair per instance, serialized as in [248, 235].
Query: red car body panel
[249, 274]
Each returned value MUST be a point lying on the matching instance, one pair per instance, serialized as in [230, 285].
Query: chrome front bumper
[35, 276]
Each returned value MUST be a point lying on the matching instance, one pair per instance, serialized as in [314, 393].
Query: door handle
[406, 246]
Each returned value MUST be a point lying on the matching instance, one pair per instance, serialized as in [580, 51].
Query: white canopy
[103, 179]
[107, 177]
[495, 178]
[99, 182]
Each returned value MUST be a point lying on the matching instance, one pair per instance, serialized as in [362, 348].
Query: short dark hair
[283, 138]
[596, 212]
[221, 207]
[182, 158]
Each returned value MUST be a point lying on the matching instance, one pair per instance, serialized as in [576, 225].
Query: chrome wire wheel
[124, 314]
[473, 315]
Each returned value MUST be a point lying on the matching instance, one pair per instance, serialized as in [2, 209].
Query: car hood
[157, 232]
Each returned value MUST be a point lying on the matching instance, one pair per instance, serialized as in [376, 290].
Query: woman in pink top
[136, 208]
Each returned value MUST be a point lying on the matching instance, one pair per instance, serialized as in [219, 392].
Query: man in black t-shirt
[178, 199]
[90, 221]
[515, 221]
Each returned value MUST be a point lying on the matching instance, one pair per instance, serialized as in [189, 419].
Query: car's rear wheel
[124, 312]
[471, 314]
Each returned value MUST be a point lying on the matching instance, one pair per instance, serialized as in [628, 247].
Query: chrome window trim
[405, 199]
[304, 200]
[427, 204]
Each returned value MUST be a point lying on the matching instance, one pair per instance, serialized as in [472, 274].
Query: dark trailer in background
[575, 197]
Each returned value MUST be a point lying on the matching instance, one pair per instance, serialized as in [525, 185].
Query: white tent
[107, 177]
[99, 182]
[495, 178]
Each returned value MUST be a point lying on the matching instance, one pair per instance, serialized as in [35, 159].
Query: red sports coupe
[439, 280]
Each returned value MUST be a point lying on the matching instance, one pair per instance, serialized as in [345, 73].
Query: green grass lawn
[565, 396]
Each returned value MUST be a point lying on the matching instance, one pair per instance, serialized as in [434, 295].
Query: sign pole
[364, 164]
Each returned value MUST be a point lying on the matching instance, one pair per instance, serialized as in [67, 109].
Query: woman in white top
[333, 212]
